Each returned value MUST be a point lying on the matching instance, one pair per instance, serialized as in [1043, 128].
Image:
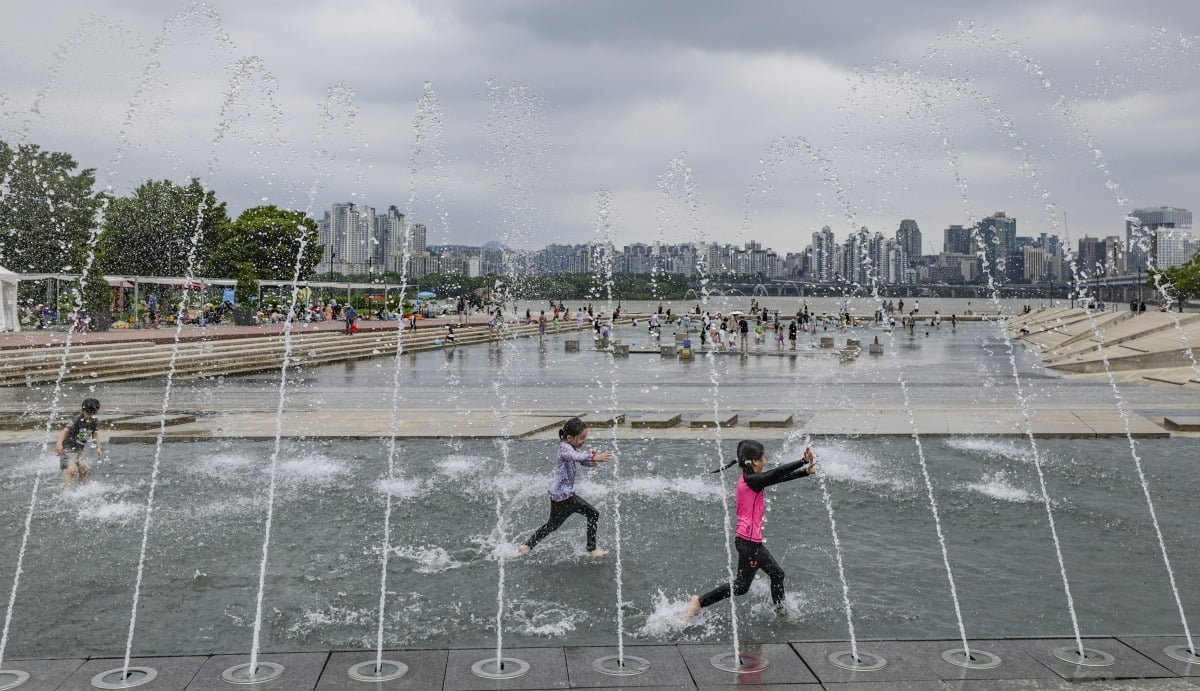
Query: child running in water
[73, 441]
[563, 500]
[752, 553]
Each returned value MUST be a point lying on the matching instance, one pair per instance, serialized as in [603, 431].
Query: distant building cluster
[357, 240]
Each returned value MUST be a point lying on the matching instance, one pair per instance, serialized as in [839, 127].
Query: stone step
[655, 420]
[710, 422]
[1182, 423]
[772, 420]
[151, 422]
[254, 354]
[604, 419]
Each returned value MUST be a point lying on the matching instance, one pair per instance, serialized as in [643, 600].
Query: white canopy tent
[8, 301]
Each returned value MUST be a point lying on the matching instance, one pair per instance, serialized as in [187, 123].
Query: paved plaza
[1125, 662]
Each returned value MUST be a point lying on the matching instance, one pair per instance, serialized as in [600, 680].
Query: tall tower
[909, 237]
[824, 250]
[418, 238]
[391, 230]
[1159, 237]
[958, 240]
[999, 235]
[343, 229]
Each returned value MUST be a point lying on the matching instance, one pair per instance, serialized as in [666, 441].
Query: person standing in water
[750, 508]
[563, 500]
[73, 441]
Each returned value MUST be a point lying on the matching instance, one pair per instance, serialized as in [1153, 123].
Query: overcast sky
[715, 120]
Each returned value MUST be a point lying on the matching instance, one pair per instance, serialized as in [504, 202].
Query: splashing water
[831, 177]
[604, 233]
[93, 239]
[426, 112]
[1012, 52]
[990, 272]
[516, 129]
[680, 174]
[338, 95]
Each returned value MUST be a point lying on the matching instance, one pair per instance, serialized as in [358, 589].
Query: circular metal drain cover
[11, 679]
[742, 663]
[505, 668]
[864, 662]
[1090, 658]
[242, 674]
[616, 666]
[1178, 652]
[978, 659]
[124, 679]
[385, 670]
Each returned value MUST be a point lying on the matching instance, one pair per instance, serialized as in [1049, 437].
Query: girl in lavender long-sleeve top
[563, 500]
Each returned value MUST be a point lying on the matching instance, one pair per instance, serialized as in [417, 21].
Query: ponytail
[724, 467]
[748, 451]
[572, 428]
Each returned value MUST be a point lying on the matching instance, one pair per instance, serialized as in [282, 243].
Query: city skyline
[691, 119]
[357, 240]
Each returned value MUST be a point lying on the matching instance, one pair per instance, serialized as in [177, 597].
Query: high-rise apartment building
[824, 255]
[958, 240]
[391, 228]
[1090, 261]
[1158, 237]
[909, 238]
[1033, 263]
[998, 233]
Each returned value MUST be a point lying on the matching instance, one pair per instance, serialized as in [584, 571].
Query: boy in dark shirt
[73, 442]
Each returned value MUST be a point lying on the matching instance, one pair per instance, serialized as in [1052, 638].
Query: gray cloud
[622, 88]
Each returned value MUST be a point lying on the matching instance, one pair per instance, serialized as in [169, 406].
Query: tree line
[52, 218]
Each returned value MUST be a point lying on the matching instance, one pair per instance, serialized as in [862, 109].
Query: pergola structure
[195, 283]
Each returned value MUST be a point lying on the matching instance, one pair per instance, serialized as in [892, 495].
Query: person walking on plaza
[73, 441]
[563, 500]
[750, 509]
[152, 311]
[351, 316]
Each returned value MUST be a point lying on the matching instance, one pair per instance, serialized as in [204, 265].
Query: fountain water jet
[939, 130]
[253, 672]
[619, 664]
[513, 122]
[379, 670]
[1014, 53]
[127, 676]
[679, 173]
[854, 659]
[963, 657]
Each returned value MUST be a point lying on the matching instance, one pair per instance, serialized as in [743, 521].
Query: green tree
[269, 239]
[1180, 282]
[246, 290]
[46, 210]
[150, 233]
[96, 293]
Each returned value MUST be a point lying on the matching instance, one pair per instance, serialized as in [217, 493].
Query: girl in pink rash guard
[752, 553]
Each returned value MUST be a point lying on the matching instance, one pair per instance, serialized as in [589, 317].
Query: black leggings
[752, 556]
[559, 511]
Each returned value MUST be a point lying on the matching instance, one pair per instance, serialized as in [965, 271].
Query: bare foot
[599, 553]
[693, 609]
[787, 616]
[523, 549]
